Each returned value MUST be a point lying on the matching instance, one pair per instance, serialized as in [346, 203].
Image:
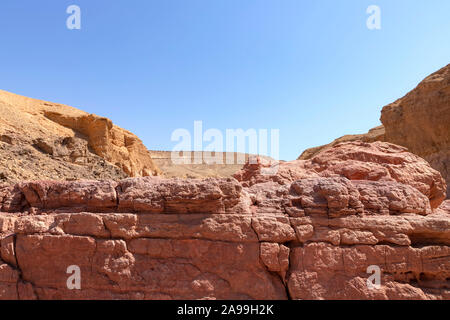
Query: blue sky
[311, 69]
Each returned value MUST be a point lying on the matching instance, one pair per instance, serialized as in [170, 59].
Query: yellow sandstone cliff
[40, 139]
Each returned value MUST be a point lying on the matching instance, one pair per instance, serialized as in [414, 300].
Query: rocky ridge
[44, 140]
[309, 231]
[206, 167]
[420, 121]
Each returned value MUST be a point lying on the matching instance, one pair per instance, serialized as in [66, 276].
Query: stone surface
[43, 140]
[375, 134]
[181, 196]
[268, 237]
[324, 271]
[444, 208]
[358, 161]
[381, 161]
[419, 121]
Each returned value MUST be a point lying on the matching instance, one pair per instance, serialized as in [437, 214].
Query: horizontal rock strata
[259, 238]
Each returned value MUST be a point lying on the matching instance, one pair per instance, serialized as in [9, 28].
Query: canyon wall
[308, 231]
[45, 140]
[420, 121]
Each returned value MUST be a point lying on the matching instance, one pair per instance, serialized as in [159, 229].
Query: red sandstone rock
[356, 160]
[147, 268]
[155, 195]
[324, 271]
[273, 237]
[444, 208]
[85, 195]
[276, 257]
[420, 121]
[264, 170]
[381, 161]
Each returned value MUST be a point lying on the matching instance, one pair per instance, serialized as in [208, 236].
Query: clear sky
[311, 69]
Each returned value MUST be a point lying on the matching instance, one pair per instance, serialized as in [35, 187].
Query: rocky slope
[375, 134]
[308, 231]
[41, 140]
[44, 140]
[419, 121]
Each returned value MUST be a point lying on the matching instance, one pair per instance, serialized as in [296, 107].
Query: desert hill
[44, 140]
[420, 121]
[203, 170]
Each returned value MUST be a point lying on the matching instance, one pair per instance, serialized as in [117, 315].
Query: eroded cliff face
[420, 121]
[44, 140]
[308, 232]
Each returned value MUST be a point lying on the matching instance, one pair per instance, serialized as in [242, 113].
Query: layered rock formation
[43, 140]
[420, 121]
[378, 161]
[375, 134]
[309, 231]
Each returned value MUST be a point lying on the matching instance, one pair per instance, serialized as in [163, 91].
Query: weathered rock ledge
[308, 232]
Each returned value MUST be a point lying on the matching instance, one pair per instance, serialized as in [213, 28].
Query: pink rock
[356, 160]
[155, 195]
[282, 173]
[310, 232]
[444, 208]
[83, 195]
[324, 271]
[275, 257]
[381, 161]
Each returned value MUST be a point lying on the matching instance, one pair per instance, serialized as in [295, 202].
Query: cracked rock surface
[308, 231]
